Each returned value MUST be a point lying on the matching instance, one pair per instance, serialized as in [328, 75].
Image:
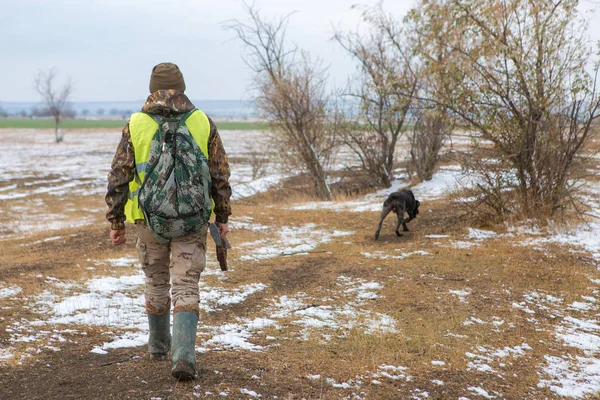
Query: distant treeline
[119, 109]
[36, 112]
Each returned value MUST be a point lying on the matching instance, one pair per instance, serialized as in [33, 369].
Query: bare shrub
[521, 68]
[291, 96]
[56, 98]
[430, 131]
[259, 160]
[384, 90]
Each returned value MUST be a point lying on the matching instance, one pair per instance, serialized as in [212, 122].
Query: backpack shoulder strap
[199, 126]
[182, 118]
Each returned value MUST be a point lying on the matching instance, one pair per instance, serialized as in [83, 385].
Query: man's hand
[223, 229]
[117, 237]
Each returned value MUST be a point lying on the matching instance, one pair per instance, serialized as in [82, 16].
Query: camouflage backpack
[175, 194]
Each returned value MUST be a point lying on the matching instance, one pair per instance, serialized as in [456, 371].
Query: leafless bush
[291, 96]
[384, 90]
[56, 98]
[259, 160]
[429, 133]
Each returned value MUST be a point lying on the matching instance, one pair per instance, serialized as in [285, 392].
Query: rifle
[222, 245]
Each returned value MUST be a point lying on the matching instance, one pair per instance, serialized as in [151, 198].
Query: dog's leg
[386, 210]
[400, 222]
[406, 221]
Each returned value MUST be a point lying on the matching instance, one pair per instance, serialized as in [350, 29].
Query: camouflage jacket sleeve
[122, 172]
[218, 166]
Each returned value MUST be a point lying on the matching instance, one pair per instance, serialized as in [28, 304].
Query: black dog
[399, 202]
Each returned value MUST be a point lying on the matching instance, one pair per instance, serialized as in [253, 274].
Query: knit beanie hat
[166, 76]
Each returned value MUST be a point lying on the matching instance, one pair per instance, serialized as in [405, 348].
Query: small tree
[521, 69]
[384, 89]
[290, 96]
[56, 98]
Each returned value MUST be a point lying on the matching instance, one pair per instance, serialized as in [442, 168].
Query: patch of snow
[317, 316]
[585, 236]
[581, 306]
[480, 392]
[481, 360]
[106, 302]
[447, 179]
[236, 336]
[569, 376]
[461, 294]
[365, 290]
[10, 291]
[250, 393]
[249, 188]
[392, 372]
[212, 297]
[121, 262]
[480, 234]
[461, 244]
[381, 255]
[523, 306]
[530, 227]
[290, 240]
[473, 321]
[6, 354]
[346, 206]
[238, 225]
[582, 340]
[130, 339]
[343, 385]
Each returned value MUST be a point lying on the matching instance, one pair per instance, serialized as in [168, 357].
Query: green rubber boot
[159, 342]
[183, 355]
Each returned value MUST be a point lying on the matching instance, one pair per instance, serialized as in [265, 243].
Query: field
[313, 307]
[20, 123]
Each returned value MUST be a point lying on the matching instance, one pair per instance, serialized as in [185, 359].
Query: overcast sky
[108, 47]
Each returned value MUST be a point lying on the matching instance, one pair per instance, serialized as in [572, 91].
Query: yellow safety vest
[142, 129]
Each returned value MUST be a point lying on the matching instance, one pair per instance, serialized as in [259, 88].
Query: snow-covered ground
[31, 165]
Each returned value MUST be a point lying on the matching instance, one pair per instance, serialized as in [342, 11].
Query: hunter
[170, 171]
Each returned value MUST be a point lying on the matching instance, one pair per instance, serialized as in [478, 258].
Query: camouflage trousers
[179, 263]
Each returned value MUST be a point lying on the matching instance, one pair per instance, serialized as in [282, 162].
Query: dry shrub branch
[384, 90]
[291, 96]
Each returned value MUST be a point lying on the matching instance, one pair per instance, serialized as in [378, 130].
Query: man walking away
[169, 170]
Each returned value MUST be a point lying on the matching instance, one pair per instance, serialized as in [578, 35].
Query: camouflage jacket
[166, 102]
